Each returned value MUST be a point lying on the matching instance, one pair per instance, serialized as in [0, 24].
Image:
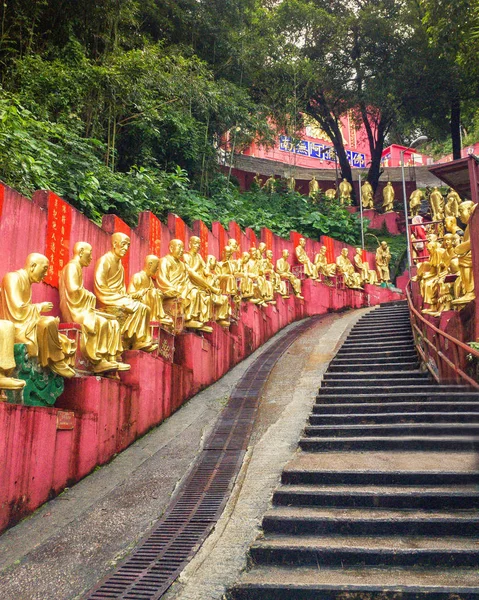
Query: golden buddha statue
[463, 251]
[110, 290]
[100, 332]
[313, 188]
[309, 269]
[346, 269]
[279, 285]
[283, 268]
[383, 258]
[270, 184]
[367, 195]
[362, 267]
[267, 271]
[451, 226]
[443, 294]
[257, 181]
[7, 359]
[233, 244]
[322, 265]
[330, 193]
[436, 202]
[430, 276]
[291, 183]
[415, 201]
[144, 288]
[345, 189]
[249, 291]
[388, 198]
[255, 272]
[190, 287]
[220, 302]
[453, 201]
[227, 271]
[39, 333]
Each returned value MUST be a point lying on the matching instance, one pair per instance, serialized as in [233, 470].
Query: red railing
[431, 343]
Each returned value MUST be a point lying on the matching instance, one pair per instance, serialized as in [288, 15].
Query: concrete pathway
[70, 543]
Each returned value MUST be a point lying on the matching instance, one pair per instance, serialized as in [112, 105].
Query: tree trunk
[456, 128]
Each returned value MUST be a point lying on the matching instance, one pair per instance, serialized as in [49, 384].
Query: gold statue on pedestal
[463, 250]
[283, 268]
[263, 290]
[383, 258]
[270, 184]
[436, 202]
[330, 193]
[7, 360]
[367, 195]
[346, 269]
[291, 183]
[249, 291]
[388, 198]
[142, 287]
[309, 269]
[100, 332]
[227, 271]
[279, 285]
[267, 271]
[322, 265]
[40, 334]
[313, 188]
[110, 290]
[345, 190]
[451, 226]
[415, 201]
[453, 201]
[367, 274]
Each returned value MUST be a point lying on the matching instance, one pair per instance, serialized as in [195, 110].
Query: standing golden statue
[346, 269]
[309, 269]
[322, 265]
[100, 332]
[110, 290]
[415, 201]
[39, 333]
[345, 190]
[383, 258]
[7, 359]
[388, 198]
[367, 195]
[330, 193]
[436, 202]
[453, 201]
[291, 183]
[270, 184]
[283, 268]
[362, 267]
[463, 250]
[143, 287]
[313, 188]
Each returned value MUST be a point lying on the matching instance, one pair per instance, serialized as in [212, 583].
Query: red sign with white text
[57, 247]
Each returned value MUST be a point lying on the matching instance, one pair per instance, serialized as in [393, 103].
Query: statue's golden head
[120, 243]
[176, 248]
[83, 251]
[152, 263]
[36, 266]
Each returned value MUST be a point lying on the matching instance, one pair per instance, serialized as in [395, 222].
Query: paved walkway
[62, 550]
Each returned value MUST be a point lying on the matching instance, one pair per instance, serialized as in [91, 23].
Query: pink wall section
[39, 455]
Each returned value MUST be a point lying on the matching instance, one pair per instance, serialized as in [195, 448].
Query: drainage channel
[163, 553]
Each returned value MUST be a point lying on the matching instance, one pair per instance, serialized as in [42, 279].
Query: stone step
[396, 353]
[367, 376]
[376, 366]
[427, 497]
[452, 397]
[395, 418]
[345, 381]
[394, 430]
[326, 583]
[384, 329]
[295, 476]
[390, 387]
[454, 443]
[369, 551]
[363, 343]
[383, 322]
[393, 407]
[383, 349]
[368, 522]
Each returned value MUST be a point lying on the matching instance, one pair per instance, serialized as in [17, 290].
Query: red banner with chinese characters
[57, 246]
[329, 243]
[155, 235]
[235, 233]
[121, 227]
[180, 229]
[268, 238]
[2, 196]
[203, 240]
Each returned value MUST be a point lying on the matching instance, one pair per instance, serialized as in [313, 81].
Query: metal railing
[430, 342]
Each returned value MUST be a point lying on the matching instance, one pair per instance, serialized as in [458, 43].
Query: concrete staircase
[381, 501]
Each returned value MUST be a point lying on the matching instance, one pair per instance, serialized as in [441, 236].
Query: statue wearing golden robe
[255, 272]
[415, 201]
[463, 250]
[346, 269]
[362, 267]
[7, 359]
[249, 291]
[367, 195]
[270, 184]
[39, 333]
[388, 198]
[267, 271]
[436, 202]
[453, 201]
[330, 193]
[383, 258]
[283, 268]
[100, 332]
[228, 269]
[110, 290]
[345, 189]
[309, 269]
[322, 265]
[313, 188]
[143, 287]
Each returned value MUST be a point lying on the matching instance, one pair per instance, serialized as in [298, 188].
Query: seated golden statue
[143, 287]
[255, 271]
[7, 359]
[40, 334]
[383, 258]
[330, 193]
[388, 198]
[218, 304]
[345, 189]
[453, 201]
[279, 284]
[309, 269]
[436, 202]
[442, 295]
[367, 274]
[233, 244]
[346, 269]
[464, 253]
[415, 200]
[100, 332]
[249, 291]
[267, 271]
[110, 290]
[227, 271]
[322, 265]
[283, 268]
[220, 301]
[367, 195]
[430, 276]
[313, 188]
[451, 226]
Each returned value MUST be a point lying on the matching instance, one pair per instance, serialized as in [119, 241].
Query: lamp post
[416, 142]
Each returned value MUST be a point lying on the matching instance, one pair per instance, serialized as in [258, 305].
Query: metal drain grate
[163, 553]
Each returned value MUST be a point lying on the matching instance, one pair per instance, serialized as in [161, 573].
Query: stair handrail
[447, 370]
